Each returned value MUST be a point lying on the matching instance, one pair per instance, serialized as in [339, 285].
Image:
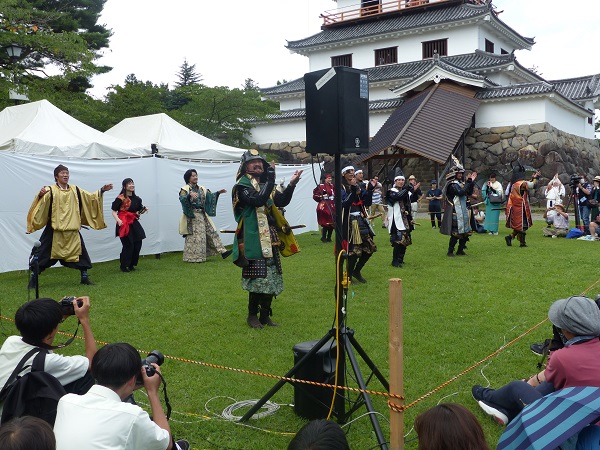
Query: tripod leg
[368, 361]
[289, 374]
[366, 397]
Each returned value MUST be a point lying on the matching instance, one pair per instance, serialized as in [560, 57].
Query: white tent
[40, 128]
[173, 139]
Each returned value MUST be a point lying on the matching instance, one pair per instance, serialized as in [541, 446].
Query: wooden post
[396, 345]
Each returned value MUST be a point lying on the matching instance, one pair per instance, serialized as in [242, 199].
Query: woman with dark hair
[127, 209]
[449, 426]
[201, 237]
[320, 435]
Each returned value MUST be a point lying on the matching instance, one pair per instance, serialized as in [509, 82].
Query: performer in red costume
[324, 194]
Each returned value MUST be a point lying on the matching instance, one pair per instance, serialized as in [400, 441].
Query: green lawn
[457, 311]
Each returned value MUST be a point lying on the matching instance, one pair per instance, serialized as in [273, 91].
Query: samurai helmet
[250, 155]
[456, 168]
[519, 171]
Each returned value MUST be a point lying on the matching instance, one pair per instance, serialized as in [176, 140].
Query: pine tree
[187, 75]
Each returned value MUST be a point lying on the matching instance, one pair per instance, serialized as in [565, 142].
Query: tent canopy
[40, 128]
[173, 139]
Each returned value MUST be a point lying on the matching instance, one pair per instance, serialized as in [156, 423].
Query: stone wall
[539, 145]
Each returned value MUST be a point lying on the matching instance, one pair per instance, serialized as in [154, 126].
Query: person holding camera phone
[101, 418]
[557, 217]
[38, 322]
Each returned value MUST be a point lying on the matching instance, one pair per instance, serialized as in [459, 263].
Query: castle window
[342, 60]
[489, 46]
[369, 7]
[386, 56]
[503, 52]
[439, 46]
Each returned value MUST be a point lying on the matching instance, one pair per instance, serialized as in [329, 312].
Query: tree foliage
[134, 98]
[57, 37]
[221, 113]
[187, 75]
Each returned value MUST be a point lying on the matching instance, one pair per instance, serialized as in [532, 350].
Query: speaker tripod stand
[346, 344]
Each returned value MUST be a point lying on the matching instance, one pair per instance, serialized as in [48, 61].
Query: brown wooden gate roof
[428, 124]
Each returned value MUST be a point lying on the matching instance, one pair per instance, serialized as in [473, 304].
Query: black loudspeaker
[313, 402]
[337, 111]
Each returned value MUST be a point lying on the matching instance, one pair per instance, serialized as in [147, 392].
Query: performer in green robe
[62, 209]
[201, 237]
[262, 234]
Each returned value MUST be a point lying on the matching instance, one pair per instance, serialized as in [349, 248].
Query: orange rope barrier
[392, 406]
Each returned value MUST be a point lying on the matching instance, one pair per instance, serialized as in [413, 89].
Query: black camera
[574, 180]
[154, 357]
[66, 305]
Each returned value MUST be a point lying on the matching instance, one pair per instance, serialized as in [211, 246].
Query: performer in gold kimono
[62, 209]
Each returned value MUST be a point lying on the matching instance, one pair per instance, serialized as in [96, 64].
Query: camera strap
[165, 395]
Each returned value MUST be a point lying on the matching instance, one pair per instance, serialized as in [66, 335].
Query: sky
[232, 40]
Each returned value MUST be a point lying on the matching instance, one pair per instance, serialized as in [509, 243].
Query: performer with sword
[262, 234]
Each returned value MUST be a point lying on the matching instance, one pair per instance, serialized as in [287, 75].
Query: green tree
[55, 36]
[187, 75]
[221, 113]
[250, 85]
[134, 98]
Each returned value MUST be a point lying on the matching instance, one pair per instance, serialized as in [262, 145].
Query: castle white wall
[278, 132]
[537, 110]
[460, 41]
[296, 130]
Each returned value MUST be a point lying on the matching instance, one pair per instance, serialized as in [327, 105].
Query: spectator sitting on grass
[101, 419]
[559, 218]
[576, 364]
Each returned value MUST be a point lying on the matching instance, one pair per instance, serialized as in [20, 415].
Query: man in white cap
[576, 364]
[557, 217]
[355, 223]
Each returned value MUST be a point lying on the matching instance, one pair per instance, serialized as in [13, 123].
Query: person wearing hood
[518, 211]
[576, 364]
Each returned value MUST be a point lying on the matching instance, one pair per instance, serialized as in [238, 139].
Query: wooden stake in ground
[396, 345]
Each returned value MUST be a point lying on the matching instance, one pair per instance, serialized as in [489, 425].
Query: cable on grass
[269, 409]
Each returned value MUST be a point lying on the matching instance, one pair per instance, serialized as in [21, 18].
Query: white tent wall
[157, 182]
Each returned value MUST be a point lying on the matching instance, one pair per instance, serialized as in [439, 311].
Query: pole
[396, 347]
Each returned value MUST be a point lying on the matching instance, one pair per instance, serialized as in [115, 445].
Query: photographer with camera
[101, 419]
[582, 190]
[38, 322]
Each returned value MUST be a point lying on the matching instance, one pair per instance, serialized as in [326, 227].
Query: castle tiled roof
[300, 113]
[525, 89]
[393, 23]
[470, 62]
[580, 88]
[515, 90]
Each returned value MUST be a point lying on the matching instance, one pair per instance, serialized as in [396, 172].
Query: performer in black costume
[455, 222]
[399, 218]
[360, 245]
[126, 210]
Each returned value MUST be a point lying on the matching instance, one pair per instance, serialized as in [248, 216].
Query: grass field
[457, 311]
